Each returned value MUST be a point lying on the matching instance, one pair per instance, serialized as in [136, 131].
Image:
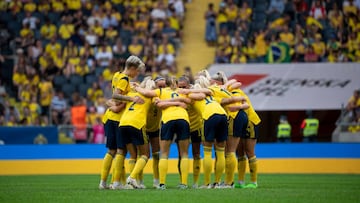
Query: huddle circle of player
[213, 112]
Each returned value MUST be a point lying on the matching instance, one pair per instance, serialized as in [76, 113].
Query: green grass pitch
[272, 188]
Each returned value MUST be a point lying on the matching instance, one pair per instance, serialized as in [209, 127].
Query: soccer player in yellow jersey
[238, 121]
[195, 134]
[153, 131]
[111, 118]
[132, 129]
[215, 128]
[175, 120]
[246, 148]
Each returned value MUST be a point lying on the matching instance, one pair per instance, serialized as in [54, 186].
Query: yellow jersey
[221, 93]
[208, 107]
[194, 117]
[172, 112]
[135, 114]
[119, 81]
[252, 115]
[153, 119]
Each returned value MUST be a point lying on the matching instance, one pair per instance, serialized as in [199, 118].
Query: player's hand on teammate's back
[138, 100]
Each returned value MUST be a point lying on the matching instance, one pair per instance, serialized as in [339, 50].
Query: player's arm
[239, 107]
[197, 96]
[118, 108]
[178, 99]
[163, 104]
[118, 95]
[231, 100]
[145, 92]
[202, 90]
[232, 84]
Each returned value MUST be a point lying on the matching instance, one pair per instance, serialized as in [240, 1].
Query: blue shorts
[112, 134]
[216, 127]
[240, 124]
[132, 135]
[153, 134]
[179, 127]
[251, 131]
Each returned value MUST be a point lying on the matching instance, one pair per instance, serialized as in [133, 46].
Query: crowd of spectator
[244, 31]
[60, 52]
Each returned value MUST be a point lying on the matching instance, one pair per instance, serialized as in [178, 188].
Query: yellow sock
[184, 167]
[119, 164]
[241, 169]
[207, 164]
[155, 165]
[105, 169]
[253, 169]
[123, 174]
[196, 170]
[179, 168]
[139, 166]
[163, 168]
[132, 163]
[112, 174]
[230, 168]
[220, 163]
[140, 176]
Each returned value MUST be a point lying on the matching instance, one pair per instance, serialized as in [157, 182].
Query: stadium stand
[288, 31]
[75, 46]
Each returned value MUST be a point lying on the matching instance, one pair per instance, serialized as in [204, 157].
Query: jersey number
[208, 99]
[173, 95]
[131, 108]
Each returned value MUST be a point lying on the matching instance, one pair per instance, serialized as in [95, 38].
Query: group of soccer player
[213, 111]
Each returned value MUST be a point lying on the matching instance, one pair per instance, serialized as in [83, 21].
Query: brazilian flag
[278, 53]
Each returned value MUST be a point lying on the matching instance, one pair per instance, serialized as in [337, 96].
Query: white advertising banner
[302, 86]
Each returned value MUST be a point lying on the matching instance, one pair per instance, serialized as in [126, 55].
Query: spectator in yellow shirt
[245, 12]
[53, 47]
[44, 6]
[260, 45]
[287, 36]
[26, 31]
[319, 46]
[30, 6]
[222, 18]
[57, 6]
[73, 5]
[46, 93]
[48, 30]
[111, 34]
[97, 28]
[15, 6]
[231, 12]
[250, 51]
[70, 49]
[94, 92]
[66, 29]
[82, 68]
[349, 8]
[238, 57]
[165, 43]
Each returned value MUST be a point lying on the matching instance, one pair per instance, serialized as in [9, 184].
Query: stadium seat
[59, 80]
[68, 89]
[98, 71]
[89, 79]
[76, 79]
[83, 89]
[54, 17]
[259, 16]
